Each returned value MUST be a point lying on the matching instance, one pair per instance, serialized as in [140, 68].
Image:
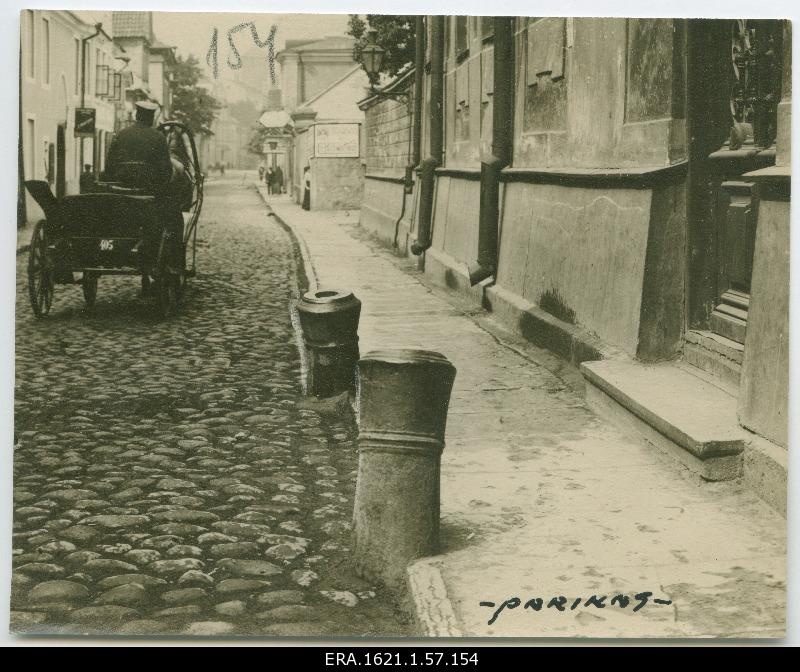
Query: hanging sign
[84, 122]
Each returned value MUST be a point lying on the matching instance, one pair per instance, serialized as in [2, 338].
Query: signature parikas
[562, 603]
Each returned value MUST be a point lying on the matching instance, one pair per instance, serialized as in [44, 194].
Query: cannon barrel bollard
[329, 320]
[403, 398]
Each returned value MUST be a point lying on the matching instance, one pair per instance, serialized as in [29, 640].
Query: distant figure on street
[278, 177]
[307, 188]
[269, 178]
[86, 183]
[261, 172]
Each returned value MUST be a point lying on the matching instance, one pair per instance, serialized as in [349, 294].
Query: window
[462, 37]
[45, 50]
[29, 150]
[30, 51]
[77, 66]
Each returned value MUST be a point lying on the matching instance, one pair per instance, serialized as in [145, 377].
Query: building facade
[62, 54]
[320, 84]
[147, 66]
[616, 190]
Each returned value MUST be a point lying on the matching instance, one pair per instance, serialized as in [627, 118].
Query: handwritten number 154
[234, 59]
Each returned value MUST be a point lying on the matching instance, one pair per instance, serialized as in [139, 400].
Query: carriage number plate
[106, 245]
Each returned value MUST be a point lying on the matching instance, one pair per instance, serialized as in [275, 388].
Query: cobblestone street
[169, 476]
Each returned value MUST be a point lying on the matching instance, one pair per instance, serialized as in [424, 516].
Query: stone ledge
[674, 410]
[448, 272]
[542, 329]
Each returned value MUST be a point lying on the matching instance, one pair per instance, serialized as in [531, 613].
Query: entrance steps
[690, 415]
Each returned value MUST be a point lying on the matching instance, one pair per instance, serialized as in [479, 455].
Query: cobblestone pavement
[169, 477]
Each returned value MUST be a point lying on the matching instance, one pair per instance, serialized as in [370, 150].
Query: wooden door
[61, 161]
[734, 89]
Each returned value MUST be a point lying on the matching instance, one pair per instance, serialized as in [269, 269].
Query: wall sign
[336, 140]
[84, 122]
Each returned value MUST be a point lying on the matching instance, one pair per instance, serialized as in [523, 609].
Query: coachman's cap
[146, 105]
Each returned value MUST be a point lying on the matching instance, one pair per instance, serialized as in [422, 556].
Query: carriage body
[118, 230]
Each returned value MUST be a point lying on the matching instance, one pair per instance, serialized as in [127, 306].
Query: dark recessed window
[462, 37]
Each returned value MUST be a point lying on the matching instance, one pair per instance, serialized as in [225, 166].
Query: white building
[55, 54]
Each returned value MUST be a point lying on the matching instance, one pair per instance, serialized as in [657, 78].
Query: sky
[191, 32]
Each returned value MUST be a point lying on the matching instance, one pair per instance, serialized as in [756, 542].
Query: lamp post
[372, 61]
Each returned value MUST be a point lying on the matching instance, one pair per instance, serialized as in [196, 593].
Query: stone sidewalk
[548, 509]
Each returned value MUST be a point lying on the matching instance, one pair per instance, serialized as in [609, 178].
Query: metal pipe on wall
[416, 126]
[434, 159]
[502, 147]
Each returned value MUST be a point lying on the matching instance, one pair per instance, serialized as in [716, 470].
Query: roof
[330, 43]
[275, 119]
[158, 44]
[333, 85]
[132, 24]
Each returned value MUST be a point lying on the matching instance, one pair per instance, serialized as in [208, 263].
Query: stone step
[688, 417]
[716, 355]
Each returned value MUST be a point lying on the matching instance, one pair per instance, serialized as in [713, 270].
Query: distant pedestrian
[307, 188]
[86, 183]
[261, 172]
[278, 176]
[269, 179]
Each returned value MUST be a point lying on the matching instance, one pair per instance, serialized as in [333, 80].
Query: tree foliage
[192, 105]
[395, 33]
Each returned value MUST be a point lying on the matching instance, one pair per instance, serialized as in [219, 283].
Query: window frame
[29, 147]
[77, 70]
[29, 56]
[47, 54]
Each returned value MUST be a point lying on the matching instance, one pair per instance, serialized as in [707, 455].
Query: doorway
[733, 87]
[61, 161]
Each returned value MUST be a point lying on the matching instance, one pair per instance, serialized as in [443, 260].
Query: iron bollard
[329, 320]
[403, 400]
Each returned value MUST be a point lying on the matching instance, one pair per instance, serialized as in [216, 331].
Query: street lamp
[372, 61]
[372, 56]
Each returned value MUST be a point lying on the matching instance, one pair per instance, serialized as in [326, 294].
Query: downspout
[416, 128]
[429, 165]
[502, 143]
[98, 30]
[419, 94]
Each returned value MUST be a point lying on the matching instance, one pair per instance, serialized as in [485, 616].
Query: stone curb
[432, 608]
[299, 241]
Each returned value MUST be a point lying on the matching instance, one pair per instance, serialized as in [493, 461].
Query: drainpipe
[419, 80]
[416, 128]
[429, 165]
[502, 144]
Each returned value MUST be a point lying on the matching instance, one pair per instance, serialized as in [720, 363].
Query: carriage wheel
[89, 283]
[40, 272]
[167, 287]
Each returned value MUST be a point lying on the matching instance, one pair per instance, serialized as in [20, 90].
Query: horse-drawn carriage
[120, 230]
